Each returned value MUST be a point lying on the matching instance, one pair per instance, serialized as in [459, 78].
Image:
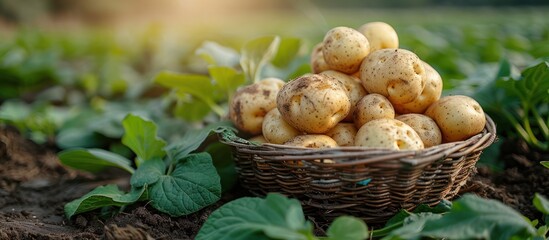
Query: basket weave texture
[372, 184]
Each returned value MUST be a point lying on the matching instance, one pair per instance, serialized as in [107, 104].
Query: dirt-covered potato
[343, 134]
[397, 74]
[276, 130]
[312, 141]
[380, 35]
[430, 94]
[458, 117]
[251, 103]
[370, 107]
[313, 103]
[318, 64]
[344, 48]
[425, 127]
[388, 133]
[352, 85]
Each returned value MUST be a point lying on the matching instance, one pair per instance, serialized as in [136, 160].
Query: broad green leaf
[193, 185]
[192, 140]
[141, 137]
[216, 54]
[102, 196]
[545, 163]
[532, 87]
[542, 204]
[77, 138]
[275, 217]
[287, 51]
[346, 227]
[413, 227]
[227, 79]
[224, 164]
[94, 160]
[191, 109]
[148, 173]
[256, 53]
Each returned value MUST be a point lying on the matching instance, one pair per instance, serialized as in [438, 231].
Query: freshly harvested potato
[380, 35]
[318, 64]
[430, 94]
[425, 127]
[370, 107]
[258, 139]
[397, 74]
[344, 48]
[276, 130]
[343, 133]
[251, 103]
[313, 103]
[312, 141]
[352, 85]
[388, 133]
[458, 117]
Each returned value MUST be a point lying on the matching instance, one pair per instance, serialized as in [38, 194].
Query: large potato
[388, 133]
[425, 127]
[397, 74]
[344, 48]
[370, 107]
[251, 103]
[276, 130]
[380, 35]
[312, 141]
[343, 133]
[430, 94]
[458, 117]
[313, 103]
[318, 64]
[352, 85]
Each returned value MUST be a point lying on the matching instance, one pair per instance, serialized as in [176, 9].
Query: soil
[34, 187]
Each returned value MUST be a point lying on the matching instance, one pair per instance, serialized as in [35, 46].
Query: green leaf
[191, 109]
[541, 203]
[148, 173]
[100, 197]
[140, 136]
[193, 185]
[216, 54]
[413, 228]
[227, 79]
[256, 53]
[346, 227]
[545, 163]
[287, 51]
[193, 139]
[224, 164]
[94, 160]
[275, 217]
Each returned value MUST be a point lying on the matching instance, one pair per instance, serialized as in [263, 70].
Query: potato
[258, 139]
[458, 117]
[344, 48]
[343, 134]
[388, 133]
[430, 94]
[317, 60]
[312, 141]
[380, 35]
[251, 103]
[313, 103]
[425, 127]
[352, 85]
[397, 74]
[370, 107]
[275, 129]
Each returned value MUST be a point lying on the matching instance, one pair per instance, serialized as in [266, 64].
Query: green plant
[171, 177]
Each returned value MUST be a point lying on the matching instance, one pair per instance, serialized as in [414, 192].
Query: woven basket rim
[364, 155]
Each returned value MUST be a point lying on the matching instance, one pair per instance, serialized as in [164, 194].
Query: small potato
[370, 107]
[425, 127]
[276, 130]
[458, 117]
[352, 85]
[388, 133]
[397, 74]
[344, 48]
[258, 139]
[312, 141]
[430, 94]
[251, 103]
[343, 133]
[380, 35]
[318, 64]
[313, 103]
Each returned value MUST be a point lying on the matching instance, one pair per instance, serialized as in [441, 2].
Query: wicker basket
[372, 184]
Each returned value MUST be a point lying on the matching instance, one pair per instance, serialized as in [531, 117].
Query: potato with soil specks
[425, 127]
[344, 48]
[313, 103]
[458, 117]
[343, 133]
[430, 94]
[370, 107]
[388, 133]
[397, 74]
[352, 85]
[380, 35]
[318, 64]
[251, 103]
[312, 141]
[276, 130]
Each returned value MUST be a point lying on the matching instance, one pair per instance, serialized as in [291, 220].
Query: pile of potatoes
[363, 91]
